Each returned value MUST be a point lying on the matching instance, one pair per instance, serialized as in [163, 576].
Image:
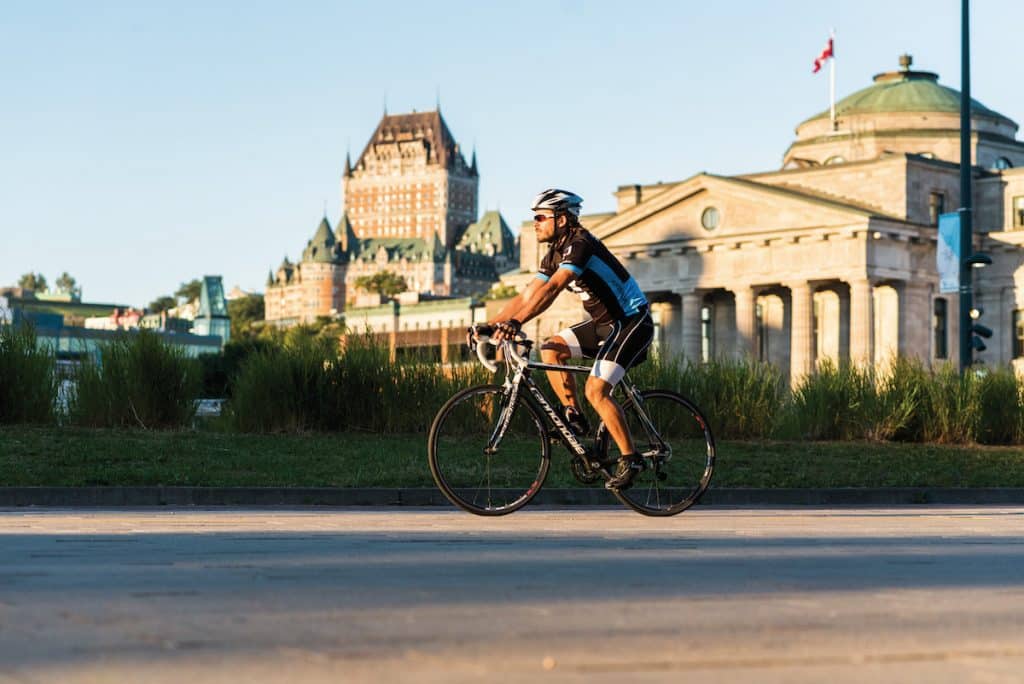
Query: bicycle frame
[518, 374]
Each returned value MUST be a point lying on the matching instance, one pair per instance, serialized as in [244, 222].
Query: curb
[428, 496]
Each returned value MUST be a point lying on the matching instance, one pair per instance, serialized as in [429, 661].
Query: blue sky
[145, 144]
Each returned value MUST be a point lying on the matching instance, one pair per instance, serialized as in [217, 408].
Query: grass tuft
[140, 381]
[28, 379]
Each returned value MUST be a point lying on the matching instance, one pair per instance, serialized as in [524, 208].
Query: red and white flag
[827, 53]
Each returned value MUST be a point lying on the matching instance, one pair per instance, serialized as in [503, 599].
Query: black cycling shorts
[624, 345]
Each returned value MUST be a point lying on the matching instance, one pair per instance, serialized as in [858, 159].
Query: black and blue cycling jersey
[608, 292]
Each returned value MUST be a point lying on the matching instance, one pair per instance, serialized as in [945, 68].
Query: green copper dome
[906, 91]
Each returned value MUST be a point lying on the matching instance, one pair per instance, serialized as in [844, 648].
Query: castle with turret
[410, 207]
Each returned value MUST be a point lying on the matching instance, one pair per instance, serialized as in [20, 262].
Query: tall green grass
[845, 401]
[315, 384]
[140, 381]
[1000, 408]
[28, 380]
[950, 407]
[740, 399]
[832, 403]
[905, 401]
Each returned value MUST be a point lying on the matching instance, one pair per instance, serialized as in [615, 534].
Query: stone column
[916, 313]
[826, 302]
[862, 321]
[746, 322]
[445, 349]
[801, 336]
[690, 328]
[670, 316]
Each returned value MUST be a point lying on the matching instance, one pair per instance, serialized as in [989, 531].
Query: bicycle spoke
[480, 476]
[679, 459]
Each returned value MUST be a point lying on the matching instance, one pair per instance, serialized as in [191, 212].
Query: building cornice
[873, 228]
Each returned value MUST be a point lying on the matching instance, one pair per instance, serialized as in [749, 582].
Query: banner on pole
[947, 256]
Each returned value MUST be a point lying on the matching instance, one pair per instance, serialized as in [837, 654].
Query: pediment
[743, 207]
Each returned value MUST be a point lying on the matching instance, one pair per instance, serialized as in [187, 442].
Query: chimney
[628, 196]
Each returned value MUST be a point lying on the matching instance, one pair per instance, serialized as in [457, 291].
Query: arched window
[835, 159]
[709, 218]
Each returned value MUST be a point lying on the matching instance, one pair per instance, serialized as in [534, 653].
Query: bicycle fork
[504, 419]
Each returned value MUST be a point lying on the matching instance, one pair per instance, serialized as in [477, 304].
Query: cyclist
[619, 318]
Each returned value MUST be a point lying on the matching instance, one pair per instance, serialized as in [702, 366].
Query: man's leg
[622, 348]
[599, 395]
[556, 352]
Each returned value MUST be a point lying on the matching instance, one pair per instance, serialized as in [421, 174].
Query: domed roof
[906, 91]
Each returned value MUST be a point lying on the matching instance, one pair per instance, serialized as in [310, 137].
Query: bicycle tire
[670, 482]
[499, 483]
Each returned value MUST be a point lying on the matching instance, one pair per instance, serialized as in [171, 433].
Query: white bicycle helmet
[558, 200]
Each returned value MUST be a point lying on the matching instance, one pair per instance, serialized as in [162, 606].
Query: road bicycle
[490, 446]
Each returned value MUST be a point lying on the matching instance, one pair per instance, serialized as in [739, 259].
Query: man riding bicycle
[616, 335]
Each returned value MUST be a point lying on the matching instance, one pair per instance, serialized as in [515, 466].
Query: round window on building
[709, 218]
[1003, 163]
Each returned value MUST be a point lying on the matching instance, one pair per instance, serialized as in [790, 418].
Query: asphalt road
[434, 595]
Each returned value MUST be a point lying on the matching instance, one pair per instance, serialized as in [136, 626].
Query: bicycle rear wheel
[473, 475]
[678, 452]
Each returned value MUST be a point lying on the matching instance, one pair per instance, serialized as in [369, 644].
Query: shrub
[282, 388]
[311, 383]
[950, 408]
[220, 370]
[833, 402]
[28, 381]
[899, 396]
[139, 381]
[1000, 416]
[740, 399]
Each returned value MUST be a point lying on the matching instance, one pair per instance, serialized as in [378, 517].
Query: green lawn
[49, 456]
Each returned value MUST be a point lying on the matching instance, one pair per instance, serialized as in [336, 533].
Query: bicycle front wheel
[678, 453]
[487, 457]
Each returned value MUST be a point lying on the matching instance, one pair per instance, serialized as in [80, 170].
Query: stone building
[410, 206]
[833, 255]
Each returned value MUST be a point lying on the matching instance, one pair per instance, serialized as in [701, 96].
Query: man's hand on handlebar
[474, 330]
[506, 330]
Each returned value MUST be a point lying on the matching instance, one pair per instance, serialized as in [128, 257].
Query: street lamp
[978, 260]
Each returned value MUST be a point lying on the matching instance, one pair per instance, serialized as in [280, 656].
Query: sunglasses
[541, 218]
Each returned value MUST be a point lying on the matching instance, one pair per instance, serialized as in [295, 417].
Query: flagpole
[832, 80]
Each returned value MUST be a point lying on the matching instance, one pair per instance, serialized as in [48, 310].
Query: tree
[189, 291]
[501, 291]
[384, 283]
[244, 312]
[33, 281]
[161, 304]
[68, 285]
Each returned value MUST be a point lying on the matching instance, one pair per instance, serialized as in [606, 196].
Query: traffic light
[978, 331]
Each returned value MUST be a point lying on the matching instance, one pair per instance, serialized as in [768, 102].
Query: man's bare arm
[539, 297]
[542, 297]
[514, 305]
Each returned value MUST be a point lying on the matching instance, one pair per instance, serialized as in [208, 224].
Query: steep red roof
[429, 127]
